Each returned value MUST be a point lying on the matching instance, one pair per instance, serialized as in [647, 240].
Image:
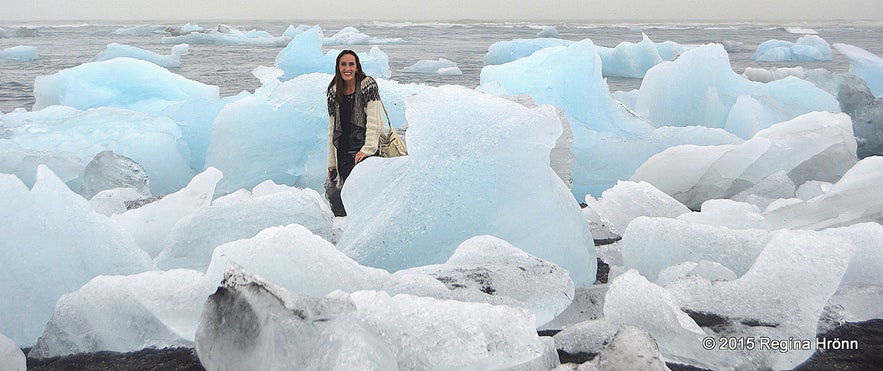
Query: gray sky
[418, 10]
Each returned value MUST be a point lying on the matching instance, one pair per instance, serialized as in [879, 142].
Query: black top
[352, 137]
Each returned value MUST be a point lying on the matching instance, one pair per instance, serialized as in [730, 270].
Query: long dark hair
[338, 80]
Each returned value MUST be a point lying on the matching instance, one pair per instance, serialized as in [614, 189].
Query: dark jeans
[345, 164]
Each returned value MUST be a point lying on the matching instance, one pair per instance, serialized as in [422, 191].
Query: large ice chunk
[807, 48]
[633, 60]
[249, 323]
[864, 64]
[66, 139]
[853, 199]
[296, 259]
[242, 215]
[816, 146]
[710, 94]
[52, 244]
[458, 182]
[780, 297]
[115, 50]
[352, 36]
[303, 55]
[429, 333]
[634, 301]
[626, 201]
[108, 170]
[11, 356]
[487, 269]
[120, 82]
[151, 223]
[21, 53]
[125, 314]
[569, 77]
[440, 66]
[277, 134]
[507, 51]
[652, 244]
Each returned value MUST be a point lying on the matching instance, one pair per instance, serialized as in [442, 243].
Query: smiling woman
[354, 123]
[804, 10]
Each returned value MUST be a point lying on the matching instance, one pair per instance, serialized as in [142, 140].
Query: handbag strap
[388, 121]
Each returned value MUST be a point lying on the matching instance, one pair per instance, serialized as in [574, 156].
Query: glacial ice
[817, 146]
[21, 53]
[570, 78]
[807, 48]
[51, 229]
[488, 269]
[11, 356]
[864, 64]
[115, 50]
[781, 296]
[125, 314]
[627, 200]
[548, 31]
[440, 194]
[192, 239]
[108, 170]
[714, 96]
[120, 82]
[304, 55]
[502, 52]
[352, 36]
[369, 329]
[151, 223]
[851, 200]
[651, 244]
[434, 67]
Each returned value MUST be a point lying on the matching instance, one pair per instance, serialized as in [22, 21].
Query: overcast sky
[421, 10]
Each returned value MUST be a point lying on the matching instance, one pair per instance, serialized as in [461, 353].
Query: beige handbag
[391, 145]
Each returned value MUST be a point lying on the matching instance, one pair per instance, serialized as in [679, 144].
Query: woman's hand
[360, 156]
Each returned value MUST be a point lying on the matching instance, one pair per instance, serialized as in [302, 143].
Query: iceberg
[303, 55]
[807, 48]
[115, 50]
[625, 201]
[11, 356]
[864, 64]
[486, 269]
[140, 30]
[817, 146]
[633, 60]
[125, 314]
[53, 230]
[808, 267]
[66, 139]
[437, 67]
[108, 170]
[847, 202]
[434, 199]
[570, 78]
[368, 329]
[502, 52]
[192, 239]
[548, 31]
[352, 36]
[120, 82]
[21, 53]
[150, 224]
[714, 96]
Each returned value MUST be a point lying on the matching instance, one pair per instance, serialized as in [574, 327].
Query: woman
[354, 125]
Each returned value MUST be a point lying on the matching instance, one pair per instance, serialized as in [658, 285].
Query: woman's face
[347, 67]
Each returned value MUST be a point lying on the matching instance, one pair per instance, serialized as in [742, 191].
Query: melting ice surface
[453, 255]
[21, 53]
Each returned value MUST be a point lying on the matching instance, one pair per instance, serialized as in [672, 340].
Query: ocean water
[229, 66]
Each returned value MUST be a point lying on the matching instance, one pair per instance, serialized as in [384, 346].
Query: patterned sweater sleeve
[373, 116]
[332, 151]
